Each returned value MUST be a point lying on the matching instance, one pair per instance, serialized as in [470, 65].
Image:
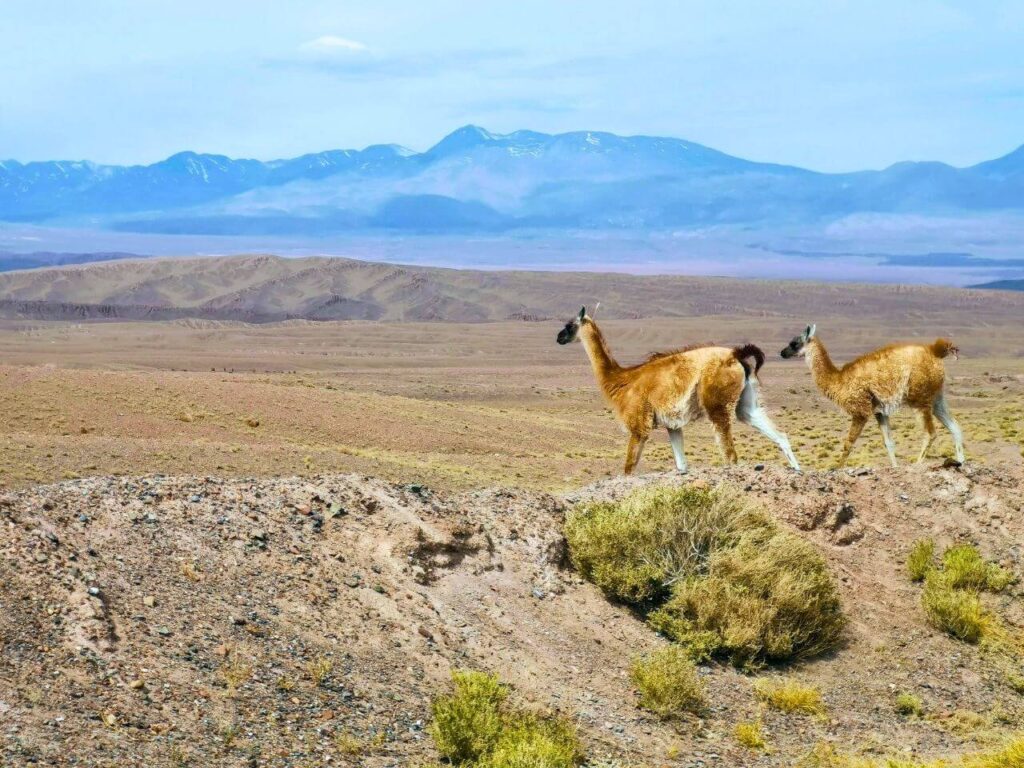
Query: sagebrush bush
[920, 559]
[711, 573]
[668, 682]
[790, 696]
[634, 548]
[965, 568]
[474, 727]
[956, 611]
[750, 736]
[535, 743]
[909, 705]
[768, 598]
[467, 723]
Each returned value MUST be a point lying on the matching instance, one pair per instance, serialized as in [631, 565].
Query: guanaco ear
[809, 333]
[583, 313]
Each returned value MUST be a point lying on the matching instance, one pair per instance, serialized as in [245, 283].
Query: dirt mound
[182, 620]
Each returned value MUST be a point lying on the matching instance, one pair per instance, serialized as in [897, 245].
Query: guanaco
[671, 389]
[882, 381]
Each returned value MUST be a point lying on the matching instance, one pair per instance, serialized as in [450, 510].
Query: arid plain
[450, 402]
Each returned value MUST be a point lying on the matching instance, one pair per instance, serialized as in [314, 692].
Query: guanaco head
[572, 328]
[795, 348]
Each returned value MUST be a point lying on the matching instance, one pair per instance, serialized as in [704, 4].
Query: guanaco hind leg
[941, 411]
[634, 451]
[722, 422]
[750, 411]
[928, 425]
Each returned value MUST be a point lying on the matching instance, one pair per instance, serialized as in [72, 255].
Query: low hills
[264, 288]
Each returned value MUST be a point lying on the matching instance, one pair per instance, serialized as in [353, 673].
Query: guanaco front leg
[890, 444]
[675, 437]
[856, 427]
[633, 451]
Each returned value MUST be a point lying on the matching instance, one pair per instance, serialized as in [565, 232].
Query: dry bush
[318, 669]
[965, 568]
[713, 574]
[909, 705]
[790, 696]
[956, 611]
[635, 548]
[920, 559]
[474, 727]
[668, 683]
[750, 736]
[768, 598]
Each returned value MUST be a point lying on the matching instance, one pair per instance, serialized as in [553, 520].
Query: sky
[832, 85]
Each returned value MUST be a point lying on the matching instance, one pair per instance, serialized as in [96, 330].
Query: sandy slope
[170, 620]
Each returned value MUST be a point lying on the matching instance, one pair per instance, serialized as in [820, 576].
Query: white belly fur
[685, 410]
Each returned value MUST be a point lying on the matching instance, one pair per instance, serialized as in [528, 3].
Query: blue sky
[821, 83]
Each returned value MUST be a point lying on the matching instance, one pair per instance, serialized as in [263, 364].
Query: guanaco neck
[823, 370]
[601, 360]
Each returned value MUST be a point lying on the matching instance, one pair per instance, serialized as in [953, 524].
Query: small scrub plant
[951, 595]
[920, 559]
[750, 736]
[909, 705]
[668, 682]
[318, 669]
[790, 696]
[965, 568]
[957, 612]
[475, 727]
[710, 573]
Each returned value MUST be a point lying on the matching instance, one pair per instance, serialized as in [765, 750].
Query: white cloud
[333, 44]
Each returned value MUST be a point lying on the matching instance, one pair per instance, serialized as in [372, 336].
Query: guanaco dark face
[795, 348]
[572, 328]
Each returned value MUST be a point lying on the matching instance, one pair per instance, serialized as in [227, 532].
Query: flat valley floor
[452, 406]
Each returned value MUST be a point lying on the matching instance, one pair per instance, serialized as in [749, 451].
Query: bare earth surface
[161, 621]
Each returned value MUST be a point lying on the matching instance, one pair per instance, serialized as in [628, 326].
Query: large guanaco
[880, 382]
[671, 389]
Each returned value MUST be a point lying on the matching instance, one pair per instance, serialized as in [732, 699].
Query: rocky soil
[151, 621]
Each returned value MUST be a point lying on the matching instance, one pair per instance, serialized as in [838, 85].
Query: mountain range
[477, 181]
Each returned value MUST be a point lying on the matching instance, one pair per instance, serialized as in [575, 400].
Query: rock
[759, 467]
[136, 684]
[149, 601]
[337, 510]
[94, 591]
[425, 632]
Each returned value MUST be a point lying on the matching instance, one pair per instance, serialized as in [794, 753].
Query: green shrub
[474, 727]
[920, 559]
[790, 696]
[467, 723]
[668, 682]
[535, 743]
[967, 569]
[770, 597]
[955, 611]
[1011, 755]
[634, 548]
[750, 736]
[712, 574]
[908, 704]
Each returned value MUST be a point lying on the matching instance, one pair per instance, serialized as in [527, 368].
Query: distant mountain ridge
[475, 180]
